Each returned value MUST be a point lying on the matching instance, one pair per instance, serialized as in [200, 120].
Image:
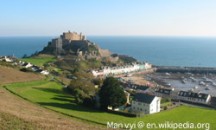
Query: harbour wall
[176, 69]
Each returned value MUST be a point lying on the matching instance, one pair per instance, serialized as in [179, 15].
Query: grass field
[39, 60]
[50, 95]
[19, 114]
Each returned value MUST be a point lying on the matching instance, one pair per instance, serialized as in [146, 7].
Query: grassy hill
[40, 60]
[18, 114]
[52, 97]
[10, 122]
[10, 75]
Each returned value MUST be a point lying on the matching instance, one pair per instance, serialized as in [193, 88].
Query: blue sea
[168, 51]
[19, 46]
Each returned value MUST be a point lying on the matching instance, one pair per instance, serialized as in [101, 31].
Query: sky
[108, 17]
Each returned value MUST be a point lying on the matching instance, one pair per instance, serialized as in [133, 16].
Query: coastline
[161, 52]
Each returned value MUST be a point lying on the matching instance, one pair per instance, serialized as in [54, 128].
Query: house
[35, 68]
[121, 69]
[164, 92]
[7, 59]
[144, 103]
[28, 65]
[194, 97]
[213, 102]
[44, 72]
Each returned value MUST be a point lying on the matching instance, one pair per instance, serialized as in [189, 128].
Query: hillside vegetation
[18, 114]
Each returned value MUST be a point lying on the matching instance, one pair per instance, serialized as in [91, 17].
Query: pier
[176, 69]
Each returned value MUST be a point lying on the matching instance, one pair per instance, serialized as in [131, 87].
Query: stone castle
[72, 36]
[64, 39]
[72, 41]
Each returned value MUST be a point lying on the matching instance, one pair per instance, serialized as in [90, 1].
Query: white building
[194, 97]
[121, 70]
[44, 72]
[144, 103]
[28, 65]
[7, 59]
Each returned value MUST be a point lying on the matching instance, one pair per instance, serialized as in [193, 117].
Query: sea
[164, 51]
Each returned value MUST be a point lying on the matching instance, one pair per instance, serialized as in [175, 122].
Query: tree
[111, 94]
[25, 56]
[82, 87]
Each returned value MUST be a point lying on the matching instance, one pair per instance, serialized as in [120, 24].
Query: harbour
[196, 79]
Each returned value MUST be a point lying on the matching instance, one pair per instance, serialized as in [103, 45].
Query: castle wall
[57, 44]
[72, 36]
[66, 40]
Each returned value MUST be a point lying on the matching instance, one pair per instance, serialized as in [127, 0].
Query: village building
[35, 68]
[194, 97]
[121, 69]
[213, 102]
[6, 59]
[165, 92]
[144, 103]
[44, 72]
[28, 65]
[188, 96]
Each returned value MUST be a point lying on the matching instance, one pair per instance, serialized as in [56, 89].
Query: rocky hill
[71, 47]
[75, 44]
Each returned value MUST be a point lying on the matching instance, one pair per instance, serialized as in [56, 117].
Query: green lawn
[50, 95]
[166, 104]
[39, 61]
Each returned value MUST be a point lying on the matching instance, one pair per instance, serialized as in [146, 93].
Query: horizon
[194, 18]
[159, 36]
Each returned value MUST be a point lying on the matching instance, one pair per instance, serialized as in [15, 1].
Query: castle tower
[81, 37]
[57, 44]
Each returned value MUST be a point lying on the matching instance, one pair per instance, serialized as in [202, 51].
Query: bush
[89, 102]
[164, 100]
[79, 96]
[24, 70]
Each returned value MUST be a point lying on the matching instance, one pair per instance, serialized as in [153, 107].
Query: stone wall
[72, 36]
